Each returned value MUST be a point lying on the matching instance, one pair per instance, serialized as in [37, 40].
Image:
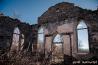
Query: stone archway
[57, 49]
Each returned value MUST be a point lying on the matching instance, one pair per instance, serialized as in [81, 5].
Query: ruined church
[64, 31]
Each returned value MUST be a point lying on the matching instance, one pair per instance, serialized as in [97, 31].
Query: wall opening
[57, 48]
[82, 34]
[41, 38]
[15, 39]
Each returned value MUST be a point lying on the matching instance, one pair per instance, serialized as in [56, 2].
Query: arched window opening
[41, 37]
[82, 34]
[15, 40]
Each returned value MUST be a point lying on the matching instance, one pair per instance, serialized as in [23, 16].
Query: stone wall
[63, 18]
[7, 26]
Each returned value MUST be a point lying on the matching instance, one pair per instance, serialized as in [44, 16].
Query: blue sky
[29, 10]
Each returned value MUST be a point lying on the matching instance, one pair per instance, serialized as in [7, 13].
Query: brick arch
[57, 48]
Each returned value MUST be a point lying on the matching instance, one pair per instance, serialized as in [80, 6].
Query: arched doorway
[57, 49]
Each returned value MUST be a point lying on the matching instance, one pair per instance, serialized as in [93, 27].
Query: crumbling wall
[63, 14]
[7, 26]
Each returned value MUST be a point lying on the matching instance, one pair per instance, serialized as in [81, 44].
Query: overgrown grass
[23, 58]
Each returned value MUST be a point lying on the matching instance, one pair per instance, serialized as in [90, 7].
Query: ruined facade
[75, 28]
[64, 31]
[15, 35]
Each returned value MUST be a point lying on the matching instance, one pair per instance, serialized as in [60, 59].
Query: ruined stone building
[15, 35]
[63, 30]
[69, 30]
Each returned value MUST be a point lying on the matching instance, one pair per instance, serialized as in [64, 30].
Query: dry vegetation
[25, 58]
